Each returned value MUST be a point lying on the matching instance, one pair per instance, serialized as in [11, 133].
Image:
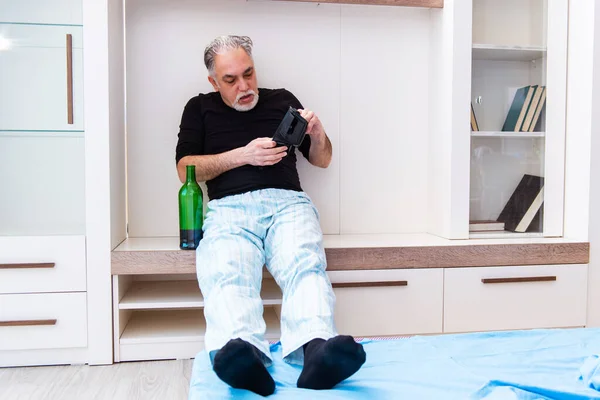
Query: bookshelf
[501, 134]
[516, 62]
[507, 53]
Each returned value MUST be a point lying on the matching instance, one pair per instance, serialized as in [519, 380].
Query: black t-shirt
[209, 126]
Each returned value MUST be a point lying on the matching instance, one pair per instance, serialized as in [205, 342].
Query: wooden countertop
[367, 252]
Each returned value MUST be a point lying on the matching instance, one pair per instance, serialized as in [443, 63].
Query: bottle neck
[190, 175]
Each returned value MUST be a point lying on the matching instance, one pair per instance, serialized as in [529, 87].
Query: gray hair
[222, 44]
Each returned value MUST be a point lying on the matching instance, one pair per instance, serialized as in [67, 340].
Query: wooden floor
[131, 381]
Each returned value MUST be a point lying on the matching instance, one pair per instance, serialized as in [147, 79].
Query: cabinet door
[42, 184]
[65, 12]
[42, 78]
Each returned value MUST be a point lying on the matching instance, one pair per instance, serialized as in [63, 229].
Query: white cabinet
[499, 298]
[42, 184]
[66, 12]
[42, 78]
[43, 271]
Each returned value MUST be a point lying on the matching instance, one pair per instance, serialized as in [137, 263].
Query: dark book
[524, 210]
[518, 109]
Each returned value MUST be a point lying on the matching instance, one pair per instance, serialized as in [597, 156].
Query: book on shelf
[474, 124]
[525, 109]
[485, 226]
[524, 210]
[539, 108]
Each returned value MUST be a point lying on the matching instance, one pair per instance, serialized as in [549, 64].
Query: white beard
[245, 107]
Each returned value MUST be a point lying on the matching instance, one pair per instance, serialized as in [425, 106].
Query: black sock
[239, 364]
[327, 363]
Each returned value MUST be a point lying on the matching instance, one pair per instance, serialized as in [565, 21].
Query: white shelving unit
[145, 295]
[501, 134]
[171, 326]
[129, 189]
[507, 53]
[164, 319]
[146, 327]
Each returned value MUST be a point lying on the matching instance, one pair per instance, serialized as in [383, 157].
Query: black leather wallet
[291, 130]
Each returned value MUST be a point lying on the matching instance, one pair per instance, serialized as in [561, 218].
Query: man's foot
[327, 363]
[239, 364]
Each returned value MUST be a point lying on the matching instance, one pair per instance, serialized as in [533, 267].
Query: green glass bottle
[191, 215]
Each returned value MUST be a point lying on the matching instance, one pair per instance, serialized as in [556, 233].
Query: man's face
[235, 79]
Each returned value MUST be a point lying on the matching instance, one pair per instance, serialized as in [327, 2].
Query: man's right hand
[263, 151]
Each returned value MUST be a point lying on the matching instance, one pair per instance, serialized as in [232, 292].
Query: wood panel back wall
[362, 69]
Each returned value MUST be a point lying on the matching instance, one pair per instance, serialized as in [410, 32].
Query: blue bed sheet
[529, 364]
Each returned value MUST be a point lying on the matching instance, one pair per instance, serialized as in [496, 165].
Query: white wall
[362, 69]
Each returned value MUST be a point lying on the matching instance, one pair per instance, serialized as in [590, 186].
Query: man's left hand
[315, 128]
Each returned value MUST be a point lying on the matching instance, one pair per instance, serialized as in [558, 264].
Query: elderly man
[258, 215]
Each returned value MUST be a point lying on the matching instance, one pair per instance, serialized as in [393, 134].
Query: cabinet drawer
[499, 298]
[64, 12]
[42, 264]
[42, 78]
[43, 321]
[390, 302]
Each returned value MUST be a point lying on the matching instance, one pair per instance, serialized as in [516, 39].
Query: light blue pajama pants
[242, 233]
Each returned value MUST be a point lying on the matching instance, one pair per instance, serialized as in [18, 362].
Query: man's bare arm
[320, 151]
[259, 152]
[210, 166]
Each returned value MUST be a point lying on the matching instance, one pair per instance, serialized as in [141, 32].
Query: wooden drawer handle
[69, 79]
[25, 266]
[520, 279]
[34, 322]
[369, 284]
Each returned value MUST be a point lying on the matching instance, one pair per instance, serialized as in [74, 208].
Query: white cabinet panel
[388, 302]
[34, 79]
[42, 264]
[384, 120]
[42, 189]
[541, 296]
[67, 12]
[43, 321]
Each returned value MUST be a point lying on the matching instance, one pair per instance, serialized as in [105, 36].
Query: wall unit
[398, 128]
[131, 193]
[43, 287]
[408, 115]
